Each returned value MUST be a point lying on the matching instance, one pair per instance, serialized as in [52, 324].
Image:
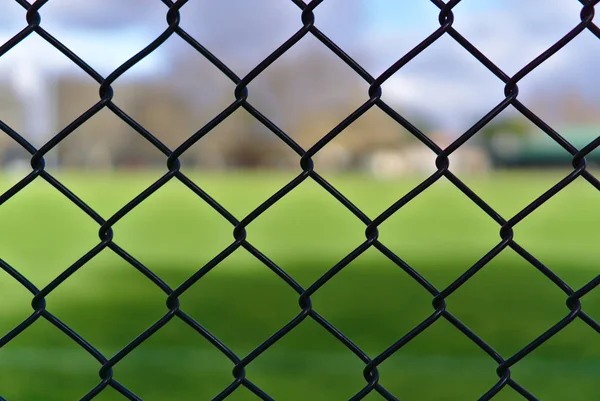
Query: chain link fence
[306, 14]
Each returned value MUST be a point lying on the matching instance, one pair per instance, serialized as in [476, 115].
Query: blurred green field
[441, 234]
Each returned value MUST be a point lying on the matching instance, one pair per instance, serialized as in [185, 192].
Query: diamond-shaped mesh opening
[241, 34]
[568, 107]
[401, 26]
[363, 302]
[440, 229]
[256, 185]
[388, 152]
[564, 240]
[77, 28]
[186, 92]
[443, 353]
[295, 366]
[285, 233]
[194, 74]
[325, 91]
[241, 142]
[159, 109]
[43, 363]
[523, 156]
[177, 363]
[447, 77]
[563, 365]
[100, 295]
[512, 42]
[181, 243]
[41, 255]
[246, 290]
[370, 194]
[110, 143]
[520, 301]
[107, 192]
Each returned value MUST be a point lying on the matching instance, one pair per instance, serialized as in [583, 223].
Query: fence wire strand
[239, 100]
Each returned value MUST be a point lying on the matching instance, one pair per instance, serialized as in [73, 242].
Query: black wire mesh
[307, 16]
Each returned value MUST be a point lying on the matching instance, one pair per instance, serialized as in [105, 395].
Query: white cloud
[444, 81]
[104, 53]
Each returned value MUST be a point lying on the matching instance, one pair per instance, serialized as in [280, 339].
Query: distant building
[539, 150]
[419, 159]
[105, 140]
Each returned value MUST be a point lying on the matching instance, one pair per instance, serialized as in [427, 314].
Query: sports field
[441, 233]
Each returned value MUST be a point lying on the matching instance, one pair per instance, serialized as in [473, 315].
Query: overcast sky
[449, 83]
[445, 81]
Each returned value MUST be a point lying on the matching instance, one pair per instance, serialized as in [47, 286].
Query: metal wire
[240, 100]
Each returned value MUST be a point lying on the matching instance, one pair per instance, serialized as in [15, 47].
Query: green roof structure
[540, 148]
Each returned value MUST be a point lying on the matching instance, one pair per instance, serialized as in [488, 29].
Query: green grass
[441, 234]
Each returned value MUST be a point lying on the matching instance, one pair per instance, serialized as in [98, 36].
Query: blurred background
[174, 91]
